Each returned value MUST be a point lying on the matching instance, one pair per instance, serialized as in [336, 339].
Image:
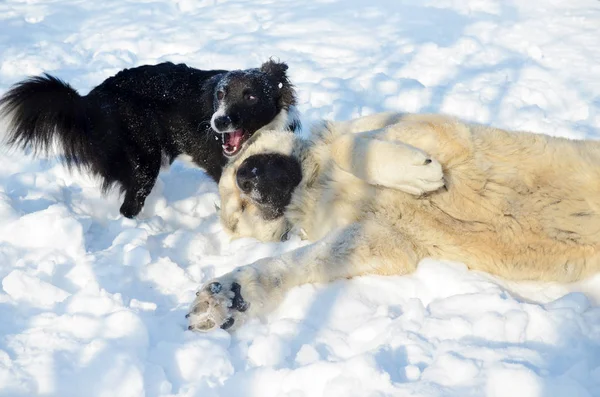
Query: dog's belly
[514, 236]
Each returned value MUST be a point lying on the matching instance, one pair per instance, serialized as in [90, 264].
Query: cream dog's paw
[219, 303]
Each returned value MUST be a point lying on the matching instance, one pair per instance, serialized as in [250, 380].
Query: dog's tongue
[235, 138]
[232, 141]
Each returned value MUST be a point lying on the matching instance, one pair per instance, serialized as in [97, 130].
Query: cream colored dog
[373, 197]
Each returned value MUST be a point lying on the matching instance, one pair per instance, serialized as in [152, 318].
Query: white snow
[93, 304]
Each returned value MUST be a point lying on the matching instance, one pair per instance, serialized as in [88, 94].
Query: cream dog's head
[258, 185]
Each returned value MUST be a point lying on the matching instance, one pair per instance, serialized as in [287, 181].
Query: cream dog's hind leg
[256, 289]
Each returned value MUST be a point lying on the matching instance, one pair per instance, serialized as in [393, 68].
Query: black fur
[269, 180]
[123, 128]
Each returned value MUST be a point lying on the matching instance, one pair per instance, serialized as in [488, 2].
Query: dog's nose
[247, 177]
[223, 123]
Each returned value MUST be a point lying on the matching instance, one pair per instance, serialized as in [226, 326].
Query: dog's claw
[238, 303]
[227, 324]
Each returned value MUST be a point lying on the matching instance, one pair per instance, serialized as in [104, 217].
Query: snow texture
[93, 304]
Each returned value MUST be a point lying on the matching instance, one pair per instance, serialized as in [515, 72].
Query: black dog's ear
[275, 69]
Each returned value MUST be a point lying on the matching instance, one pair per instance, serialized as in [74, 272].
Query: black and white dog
[127, 127]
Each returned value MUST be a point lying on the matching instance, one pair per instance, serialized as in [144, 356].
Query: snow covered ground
[93, 304]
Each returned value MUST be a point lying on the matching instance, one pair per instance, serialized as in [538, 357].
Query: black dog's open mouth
[233, 141]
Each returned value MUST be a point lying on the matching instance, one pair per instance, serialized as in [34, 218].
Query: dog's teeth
[235, 148]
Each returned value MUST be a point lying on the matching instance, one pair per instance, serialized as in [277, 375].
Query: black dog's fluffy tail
[44, 109]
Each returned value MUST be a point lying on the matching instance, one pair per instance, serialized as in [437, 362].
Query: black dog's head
[247, 100]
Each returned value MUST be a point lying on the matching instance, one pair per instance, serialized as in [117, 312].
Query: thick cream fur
[518, 205]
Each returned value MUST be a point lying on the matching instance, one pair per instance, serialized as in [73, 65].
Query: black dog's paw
[130, 209]
[217, 304]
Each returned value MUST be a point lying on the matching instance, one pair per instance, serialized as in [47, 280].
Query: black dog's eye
[220, 95]
[250, 98]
